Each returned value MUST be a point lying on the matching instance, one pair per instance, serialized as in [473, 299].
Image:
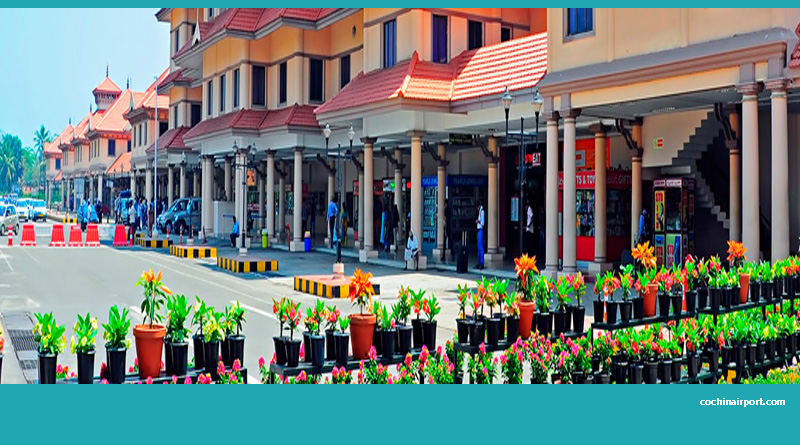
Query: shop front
[673, 219]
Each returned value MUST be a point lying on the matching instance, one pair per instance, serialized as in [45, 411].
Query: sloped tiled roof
[58, 176]
[113, 119]
[794, 59]
[81, 129]
[174, 77]
[107, 86]
[149, 100]
[519, 63]
[51, 149]
[122, 164]
[170, 140]
[257, 120]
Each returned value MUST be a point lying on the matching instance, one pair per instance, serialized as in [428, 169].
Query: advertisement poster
[659, 216]
[673, 249]
[659, 247]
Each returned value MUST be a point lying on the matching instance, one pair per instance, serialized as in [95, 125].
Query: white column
[148, 184]
[282, 199]
[228, 189]
[600, 233]
[239, 199]
[297, 214]
[416, 187]
[100, 188]
[570, 229]
[271, 193]
[262, 195]
[493, 208]
[183, 181]
[750, 201]
[780, 173]
[208, 187]
[551, 195]
[366, 189]
[441, 191]
[170, 184]
[735, 180]
[133, 183]
[398, 198]
[195, 183]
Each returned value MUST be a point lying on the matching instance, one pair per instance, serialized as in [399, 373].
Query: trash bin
[462, 254]
[264, 239]
[308, 242]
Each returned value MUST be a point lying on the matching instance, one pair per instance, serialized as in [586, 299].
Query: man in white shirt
[480, 222]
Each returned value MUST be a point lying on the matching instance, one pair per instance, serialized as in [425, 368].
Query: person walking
[234, 232]
[83, 214]
[332, 212]
[386, 228]
[131, 220]
[480, 223]
[396, 225]
[644, 228]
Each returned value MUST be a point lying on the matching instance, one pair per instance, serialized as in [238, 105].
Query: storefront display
[429, 209]
[673, 219]
[377, 188]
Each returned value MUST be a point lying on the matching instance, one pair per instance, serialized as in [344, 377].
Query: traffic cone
[10, 237]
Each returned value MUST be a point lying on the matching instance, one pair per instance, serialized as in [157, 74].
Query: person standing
[480, 223]
[234, 232]
[448, 241]
[386, 228]
[131, 220]
[396, 224]
[644, 228]
[332, 212]
[529, 230]
[412, 251]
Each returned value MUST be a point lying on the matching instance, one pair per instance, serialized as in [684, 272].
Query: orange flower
[736, 251]
[361, 287]
[524, 264]
[644, 254]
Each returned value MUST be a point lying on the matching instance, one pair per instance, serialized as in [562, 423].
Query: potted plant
[213, 334]
[281, 311]
[664, 279]
[539, 355]
[511, 364]
[235, 340]
[482, 366]
[331, 316]
[770, 338]
[603, 349]
[626, 284]
[543, 288]
[200, 311]
[292, 346]
[84, 346]
[736, 259]
[582, 372]
[401, 311]
[150, 335]
[599, 305]
[115, 333]
[512, 316]
[477, 330]
[641, 285]
[578, 311]
[524, 267]
[362, 325]
[456, 358]
[646, 263]
[767, 277]
[676, 292]
[563, 289]
[386, 327]
[316, 347]
[416, 323]
[691, 280]
[342, 339]
[176, 348]
[431, 308]
[610, 285]
[462, 322]
[50, 337]
[499, 289]
[492, 323]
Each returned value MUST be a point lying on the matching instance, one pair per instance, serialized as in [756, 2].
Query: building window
[579, 21]
[175, 116]
[139, 134]
[282, 83]
[210, 13]
[162, 128]
[389, 43]
[236, 88]
[129, 145]
[344, 71]
[222, 93]
[176, 47]
[210, 95]
[439, 39]
[58, 164]
[474, 34]
[145, 134]
[112, 147]
[315, 79]
[259, 85]
[505, 34]
[196, 114]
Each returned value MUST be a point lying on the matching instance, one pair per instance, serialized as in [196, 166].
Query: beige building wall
[675, 129]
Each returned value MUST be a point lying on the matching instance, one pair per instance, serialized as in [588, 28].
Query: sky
[52, 59]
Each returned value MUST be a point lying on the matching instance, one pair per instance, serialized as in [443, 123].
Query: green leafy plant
[85, 331]
[542, 288]
[463, 298]
[512, 304]
[213, 327]
[402, 309]
[482, 366]
[431, 308]
[626, 281]
[201, 312]
[416, 301]
[178, 309]
[154, 295]
[344, 322]
[500, 290]
[115, 332]
[384, 315]
[49, 334]
[234, 317]
[563, 289]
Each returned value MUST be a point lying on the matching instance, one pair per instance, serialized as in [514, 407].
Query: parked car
[22, 207]
[183, 214]
[121, 211]
[8, 219]
[38, 210]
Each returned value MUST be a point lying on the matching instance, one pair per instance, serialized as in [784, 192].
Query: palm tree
[12, 160]
[41, 136]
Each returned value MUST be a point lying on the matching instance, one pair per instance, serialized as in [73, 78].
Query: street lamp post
[249, 161]
[538, 101]
[506, 99]
[351, 134]
[327, 133]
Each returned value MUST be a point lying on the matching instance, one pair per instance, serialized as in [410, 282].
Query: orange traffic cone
[10, 237]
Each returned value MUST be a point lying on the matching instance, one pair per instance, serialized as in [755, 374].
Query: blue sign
[430, 181]
[466, 181]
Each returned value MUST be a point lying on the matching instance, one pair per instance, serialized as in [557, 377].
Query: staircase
[690, 155]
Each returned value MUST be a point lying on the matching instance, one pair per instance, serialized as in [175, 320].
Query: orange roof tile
[256, 120]
[174, 77]
[518, 63]
[121, 165]
[170, 140]
[79, 131]
[58, 176]
[112, 118]
[107, 86]
[794, 59]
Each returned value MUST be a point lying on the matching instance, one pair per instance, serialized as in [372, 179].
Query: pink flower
[390, 380]
[237, 366]
[423, 355]
[302, 351]
[451, 367]
[274, 359]
[174, 379]
[104, 382]
[136, 361]
[149, 380]
[220, 368]
[503, 359]
[373, 354]
[408, 360]
[261, 362]
[482, 348]
[439, 350]
[187, 380]
[485, 371]
[335, 372]
[301, 377]
[59, 369]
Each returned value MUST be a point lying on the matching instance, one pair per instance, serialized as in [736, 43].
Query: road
[69, 281]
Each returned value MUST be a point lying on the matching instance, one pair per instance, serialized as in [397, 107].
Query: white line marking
[6, 258]
[257, 311]
[31, 256]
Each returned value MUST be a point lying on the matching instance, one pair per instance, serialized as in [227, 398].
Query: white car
[22, 207]
[38, 210]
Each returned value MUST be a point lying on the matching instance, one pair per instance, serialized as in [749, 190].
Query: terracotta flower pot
[149, 346]
[526, 309]
[744, 285]
[361, 329]
[650, 300]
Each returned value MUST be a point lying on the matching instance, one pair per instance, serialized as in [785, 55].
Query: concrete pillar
[361, 194]
[570, 229]
[183, 181]
[551, 195]
[735, 180]
[271, 193]
[369, 222]
[100, 190]
[297, 213]
[398, 198]
[600, 241]
[441, 191]
[228, 188]
[148, 184]
[416, 187]
[636, 184]
[780, 173]
[282, 199]
[170, 184]
[493, 209]
[262, 196]
[195, 184]
[133, 183]
[240, 199]
[208, 187]
[750, 202]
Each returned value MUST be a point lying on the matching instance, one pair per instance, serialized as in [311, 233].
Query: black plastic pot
[512, 325]
[766, 290]
[755, 290]
[317, 350]
[342, 341]
[199, 352]
[180, 358]
[622, 373]
[739, 356]
[416, 324]
[307, 346]
[760, 351]
[292, 353]
[712, 358]
[377, 341]
[777, 290]
[387, 341]
[638, 308]
[404, 334]
[544, 324]
[611, 312]
[212, 354]
[734, 296]
[599, 310]
[560, 323]
[578, 378]
[702, 297]
[85, 367]
[330, 345]
[725, 301]
[225, 352]
[665, 369]
[691, 301]
[477, 331]
[429, 334]
[168, 357]
[280, 350]
[492, 332]
[791, 345]
[651, 373]
[663, 304]
[692, 365]
[714, 296]
[677, 303]
[47, 368]
[676, 369]
[769, 349]
[462, 328]
[635, 372]
[780, 347]
[501, 328]
[116, 365]
[236, 349]
[751, 354]
[625, 310]
[578, 318]
[602, 378]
